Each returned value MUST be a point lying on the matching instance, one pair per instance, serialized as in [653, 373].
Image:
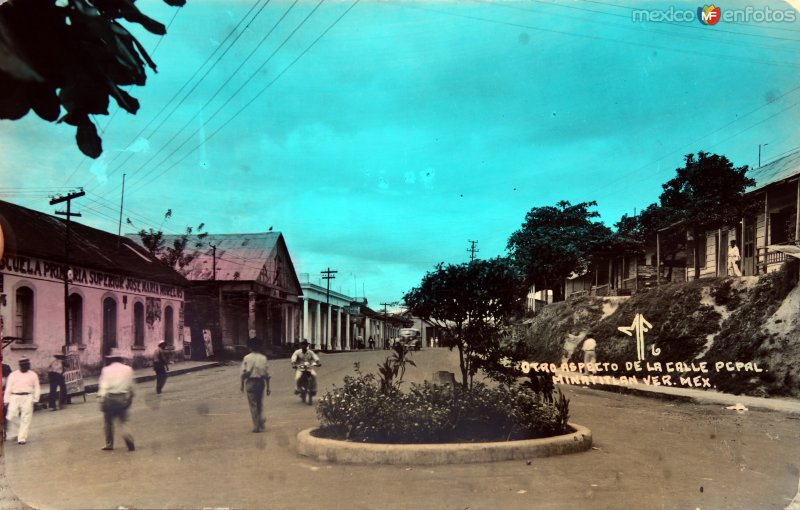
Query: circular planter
[347, 452]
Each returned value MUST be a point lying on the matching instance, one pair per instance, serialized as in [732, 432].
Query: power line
[103, 130]
[695, 141]
[683, 25]
[219, 89]
[696, 53]
[638, 28]
[221, 127]
[171, 101]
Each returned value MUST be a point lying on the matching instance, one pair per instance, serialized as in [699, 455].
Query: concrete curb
[92, 388]
[345, 452]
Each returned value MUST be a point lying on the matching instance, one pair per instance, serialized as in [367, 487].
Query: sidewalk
[786, 405]
[139, 375]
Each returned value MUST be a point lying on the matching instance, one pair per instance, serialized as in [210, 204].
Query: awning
[788, 249]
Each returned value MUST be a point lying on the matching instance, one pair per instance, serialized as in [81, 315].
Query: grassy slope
[683, 322]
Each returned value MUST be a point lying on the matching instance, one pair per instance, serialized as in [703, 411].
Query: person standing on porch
[733, 260]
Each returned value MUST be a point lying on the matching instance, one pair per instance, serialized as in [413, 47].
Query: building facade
[240, 286]
[117, 294]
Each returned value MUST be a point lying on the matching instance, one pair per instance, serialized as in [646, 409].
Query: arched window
[138, 324]
[23, 319]
[75, 302]
[168, 336]
[109, 324]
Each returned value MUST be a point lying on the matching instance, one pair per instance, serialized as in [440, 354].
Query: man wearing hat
[115, 390]
[55, 374]
[161, 366]
[22, 391]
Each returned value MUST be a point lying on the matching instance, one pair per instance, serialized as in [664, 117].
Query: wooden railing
[768, 257]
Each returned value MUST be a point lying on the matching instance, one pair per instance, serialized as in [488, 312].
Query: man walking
[115, 390]
[161, 366]
[21, 392]
[255, 379]
[58, 386]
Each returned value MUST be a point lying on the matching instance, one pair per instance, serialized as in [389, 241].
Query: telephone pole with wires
[472, 250]
[328, 275]
[66, 272]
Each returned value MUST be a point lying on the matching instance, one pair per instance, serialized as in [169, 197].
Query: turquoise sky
[410, 128]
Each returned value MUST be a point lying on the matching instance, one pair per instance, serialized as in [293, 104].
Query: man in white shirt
[733, 259]
[255, 378]
[21, 393]
[304, 354]
[589, 355]
[115, 390]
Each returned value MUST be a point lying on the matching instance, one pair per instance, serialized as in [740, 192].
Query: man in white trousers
[733, 260]
[21, 392]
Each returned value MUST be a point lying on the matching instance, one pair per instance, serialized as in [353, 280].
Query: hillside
[738, 335]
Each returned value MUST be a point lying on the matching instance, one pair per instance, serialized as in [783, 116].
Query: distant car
[410, 338]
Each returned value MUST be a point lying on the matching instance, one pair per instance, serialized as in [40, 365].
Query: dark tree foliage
[473, 302]
[707, 193]
[556, 241]
[72, 55]
[653, 221]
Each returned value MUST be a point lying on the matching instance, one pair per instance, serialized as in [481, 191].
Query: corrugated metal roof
[35, 234]
[776, 171]
[239, 256]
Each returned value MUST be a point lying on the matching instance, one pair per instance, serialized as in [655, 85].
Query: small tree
[174, 256]
[556, 241]
[653, 221]
[472, 302]
[707, 193]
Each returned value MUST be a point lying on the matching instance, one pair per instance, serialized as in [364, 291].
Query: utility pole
[121, 202]
[66, 271]
[328, 275]
[384, 305]
[759, 152]
[472, 250]
[214, 264]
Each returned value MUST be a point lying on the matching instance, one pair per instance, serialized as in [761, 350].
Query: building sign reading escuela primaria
[52, 271]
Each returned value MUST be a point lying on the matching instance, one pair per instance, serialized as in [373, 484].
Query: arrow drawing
[640, 326]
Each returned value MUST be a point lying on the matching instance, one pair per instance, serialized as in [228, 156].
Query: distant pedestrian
[371, 343]
[21, 392]
[161, 366]
[733, 260]
[589, 354]
[115, 390]
[58, 386]
[255, 381]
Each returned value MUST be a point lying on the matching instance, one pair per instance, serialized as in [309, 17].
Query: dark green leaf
[88, 141]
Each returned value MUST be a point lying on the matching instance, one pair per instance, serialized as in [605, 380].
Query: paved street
[195, 450]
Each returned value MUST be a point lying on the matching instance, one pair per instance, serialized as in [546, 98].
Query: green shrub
[361, 410]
